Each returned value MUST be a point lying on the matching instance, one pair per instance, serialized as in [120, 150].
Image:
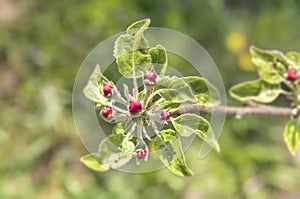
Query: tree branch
[259, 110]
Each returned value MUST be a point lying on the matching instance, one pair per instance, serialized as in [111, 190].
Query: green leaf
[159, 56]
[292, 135]
[138, 25]
[92, 89]
[167, 105]
[131, 50]
[142, 61]
[266, 56]
[188, 124]
[206, 93]
[271, 75]
[175, 90]
[114, 151]
[170, 152]
[91, 162]
[271, 64]
[294, 59]
[257, 90]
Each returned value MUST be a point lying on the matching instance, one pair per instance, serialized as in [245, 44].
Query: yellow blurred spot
[235, 42]
[245, 62]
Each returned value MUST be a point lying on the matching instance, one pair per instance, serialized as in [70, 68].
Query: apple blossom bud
[107, 90]
[291, 75]
[164, 115]
[151, 78]
[141, 153]
[134, 107]
[106, 112]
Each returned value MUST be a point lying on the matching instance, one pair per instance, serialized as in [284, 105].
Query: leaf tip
[92, 163]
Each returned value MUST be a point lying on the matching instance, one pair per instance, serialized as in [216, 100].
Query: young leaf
[92, 91]
[167, 105]
[170, 152]
[114, 151]
[188, 124]
[271, 64]
[206, 93]
[138, 25]
[126, 67]
[175, 90]
[294, 59]
[91, 162]
[159, 56]
[266, 56]
[292, 135]
[270, 74]
[257, 90]
[131, 52]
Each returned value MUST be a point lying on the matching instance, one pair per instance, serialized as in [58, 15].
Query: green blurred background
[42, 44]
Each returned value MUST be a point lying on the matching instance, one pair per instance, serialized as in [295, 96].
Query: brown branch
[259, 110]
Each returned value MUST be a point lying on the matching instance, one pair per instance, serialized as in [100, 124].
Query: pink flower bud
[291, 75]
[107, 90]
[134, 107]
[106, 112]
[141, 153]
[165, 115]
[151, 78]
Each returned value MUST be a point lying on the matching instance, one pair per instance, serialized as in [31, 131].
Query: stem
[260, 110]
[146, 97]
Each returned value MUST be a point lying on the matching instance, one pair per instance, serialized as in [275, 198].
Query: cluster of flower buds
[291, 75]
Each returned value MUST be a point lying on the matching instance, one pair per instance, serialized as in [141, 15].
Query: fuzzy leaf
[138, 25]
[175, 90]
[188, 124]
[131, 50]
[159, 56]
[271, 75]
[167, 105]
[269, 56]
[292, 135]
[91, 162]
[294, 59]
[170, 152]
[92, 89]
[206, 93]
[271, 64]
[257, 90]
[114, 151]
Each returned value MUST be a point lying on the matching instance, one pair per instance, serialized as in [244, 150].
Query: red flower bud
[106, 112]
[291, 75]
[165, 115]
[141, 153]
[134, 107]
[107, 90]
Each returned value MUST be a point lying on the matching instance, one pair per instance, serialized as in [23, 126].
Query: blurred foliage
[42, 44]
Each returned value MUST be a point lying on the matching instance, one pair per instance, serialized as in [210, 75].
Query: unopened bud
[107, 90]
[106, 112]
[164, 116]
[291, 75]
[151, 78]
[141, 153]
[134, 107]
